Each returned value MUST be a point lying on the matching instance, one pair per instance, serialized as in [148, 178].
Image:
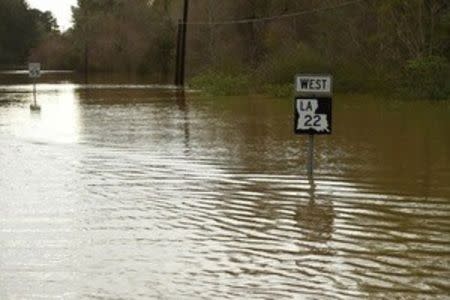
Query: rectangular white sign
[34, 70]
[314, 84]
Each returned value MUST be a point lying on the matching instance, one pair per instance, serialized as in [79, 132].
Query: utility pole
[86, 62]
[181, 47]
[178, 52]
[86, 47]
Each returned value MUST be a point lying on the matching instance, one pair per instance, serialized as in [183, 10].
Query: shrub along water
[428, 77]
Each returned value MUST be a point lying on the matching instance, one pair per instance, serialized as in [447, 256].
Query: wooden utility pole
[86, 62]
[178, 53]
[181, 47]
[86, 47]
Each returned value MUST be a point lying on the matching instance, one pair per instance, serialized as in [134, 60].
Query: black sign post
[313, 110]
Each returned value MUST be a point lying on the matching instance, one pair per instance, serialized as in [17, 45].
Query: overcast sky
[59, 8]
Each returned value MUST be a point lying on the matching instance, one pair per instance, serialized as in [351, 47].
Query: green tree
[21, 28]
[123, 36]
[17, 33]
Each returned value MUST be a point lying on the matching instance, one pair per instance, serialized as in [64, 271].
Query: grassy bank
[425, 78]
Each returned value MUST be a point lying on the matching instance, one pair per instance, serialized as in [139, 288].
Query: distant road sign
[34, 70]
[313, 115]
[314, 85]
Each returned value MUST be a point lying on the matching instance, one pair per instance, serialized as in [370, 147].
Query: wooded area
[237, 45]
[21, 29]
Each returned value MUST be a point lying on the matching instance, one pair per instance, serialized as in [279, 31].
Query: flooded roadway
[132, 192]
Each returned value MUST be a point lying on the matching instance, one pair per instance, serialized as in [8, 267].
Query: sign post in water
[34, 71]
[313, 110]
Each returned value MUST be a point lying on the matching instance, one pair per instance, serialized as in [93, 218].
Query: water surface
[133, 192]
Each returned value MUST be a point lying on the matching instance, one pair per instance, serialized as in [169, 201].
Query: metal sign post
[311, 156]
[34, 72]
[313, 110]
[34, 92]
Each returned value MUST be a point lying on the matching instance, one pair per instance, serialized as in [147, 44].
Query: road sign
[314, 85]
[313, 109]
[313, 115]
[34, 70]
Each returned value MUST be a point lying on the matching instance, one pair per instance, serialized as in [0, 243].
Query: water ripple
[106, 216]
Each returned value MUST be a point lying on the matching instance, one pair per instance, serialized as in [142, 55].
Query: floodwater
[134, 192]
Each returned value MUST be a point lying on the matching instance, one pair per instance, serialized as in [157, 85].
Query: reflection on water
[140, 192]
[316, 217]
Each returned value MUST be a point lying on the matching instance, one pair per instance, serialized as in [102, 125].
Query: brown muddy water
[128, 191]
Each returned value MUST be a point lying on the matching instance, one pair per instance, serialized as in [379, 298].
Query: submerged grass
[222, 84]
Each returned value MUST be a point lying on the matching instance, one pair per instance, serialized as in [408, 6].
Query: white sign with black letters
[34, 70]
[313, 104]
[313, 110]
[314, 84]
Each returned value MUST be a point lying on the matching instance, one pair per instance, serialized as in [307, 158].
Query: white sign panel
[34, 70]
[314, 84]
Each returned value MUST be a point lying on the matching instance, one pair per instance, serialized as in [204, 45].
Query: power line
[284, 16]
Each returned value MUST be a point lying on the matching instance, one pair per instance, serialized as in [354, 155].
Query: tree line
[235, 45]
[21, 29]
